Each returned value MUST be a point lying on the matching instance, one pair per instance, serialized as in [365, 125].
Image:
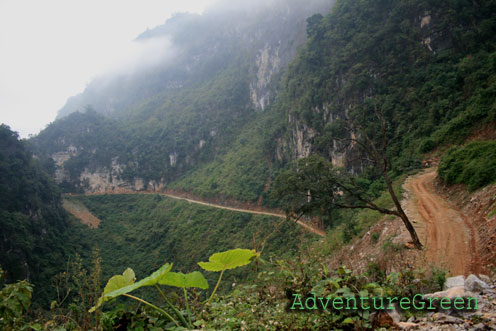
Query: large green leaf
[119, 281]
[229, 259]
[178, 279]
[155, 277]
[123, 284]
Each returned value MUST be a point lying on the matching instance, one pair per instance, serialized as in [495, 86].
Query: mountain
[427, 66]
[223, 111]
[228, 102]
[216, 74]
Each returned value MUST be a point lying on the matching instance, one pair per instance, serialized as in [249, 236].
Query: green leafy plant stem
[177, 312]
[187, 306]
[166, 314]
[216, 286]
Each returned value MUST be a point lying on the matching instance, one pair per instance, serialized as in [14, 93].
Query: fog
[50, 50]
[141, 55]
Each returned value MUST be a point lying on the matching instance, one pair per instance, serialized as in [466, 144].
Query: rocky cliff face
[101, 179]
[225, 65]
[266, 33]
[386, 59]
[267, 62]
[301, 140]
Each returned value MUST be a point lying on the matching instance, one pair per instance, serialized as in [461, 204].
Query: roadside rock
[407, 326]
[382, 319]
[474, 284]
[446, 319]
[485, 278]
[454, 292]
[454, 282]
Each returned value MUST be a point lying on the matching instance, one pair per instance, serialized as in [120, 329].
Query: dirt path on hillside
[241, 210]
[445, 232]
[81, 212]
[304, 225]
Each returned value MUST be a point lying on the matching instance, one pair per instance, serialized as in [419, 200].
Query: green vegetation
[375, 53]
[15, 300]
[36, 235]
[266, 304]
[318, 188]
[124, 284]
[492, 212]
[140, 230]
[244, 170]
[206, 137]
[262, 304]
[428, 67]
[186, 113]
[473, 164]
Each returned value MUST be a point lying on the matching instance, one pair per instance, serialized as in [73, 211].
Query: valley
[370, 123]
[79, 212]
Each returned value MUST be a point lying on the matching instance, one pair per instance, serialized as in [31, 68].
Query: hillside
[155, 123]
[329, 114]
[143, 231]
[428, 66]
[210, 136]
[36, 233]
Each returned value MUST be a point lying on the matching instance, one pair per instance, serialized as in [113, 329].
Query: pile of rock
[483, 318]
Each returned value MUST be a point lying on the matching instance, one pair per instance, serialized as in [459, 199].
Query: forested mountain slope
[35, 232]
[232, 105]
[222, 121]
[216, 73]
[428, 66]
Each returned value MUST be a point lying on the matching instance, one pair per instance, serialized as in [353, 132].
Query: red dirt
[445, 231]
[81, 212]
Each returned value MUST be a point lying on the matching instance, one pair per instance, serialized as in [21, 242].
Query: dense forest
[267, 105]
[36, 234]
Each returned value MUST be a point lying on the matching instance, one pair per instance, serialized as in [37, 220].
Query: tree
[316, 185]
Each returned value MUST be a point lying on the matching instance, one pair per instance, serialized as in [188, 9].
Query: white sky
[50, 49]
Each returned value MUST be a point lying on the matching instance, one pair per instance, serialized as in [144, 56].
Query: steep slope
[35, 233]
[428, 66]
[200, 131]
[146, 230]
[219, 72]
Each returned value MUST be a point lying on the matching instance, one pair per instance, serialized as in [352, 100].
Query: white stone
[454, 282]
[474, 284]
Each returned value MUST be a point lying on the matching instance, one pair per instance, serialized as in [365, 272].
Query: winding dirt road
[304, 225]
[446, 233]
[199, 202]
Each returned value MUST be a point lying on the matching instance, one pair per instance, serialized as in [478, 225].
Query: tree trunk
[401, 213]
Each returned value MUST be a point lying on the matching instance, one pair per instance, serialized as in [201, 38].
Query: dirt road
[444, 231]
[304, 225]
[199, 202]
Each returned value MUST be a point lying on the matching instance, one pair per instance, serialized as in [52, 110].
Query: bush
[473, 165]
[427, 146]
